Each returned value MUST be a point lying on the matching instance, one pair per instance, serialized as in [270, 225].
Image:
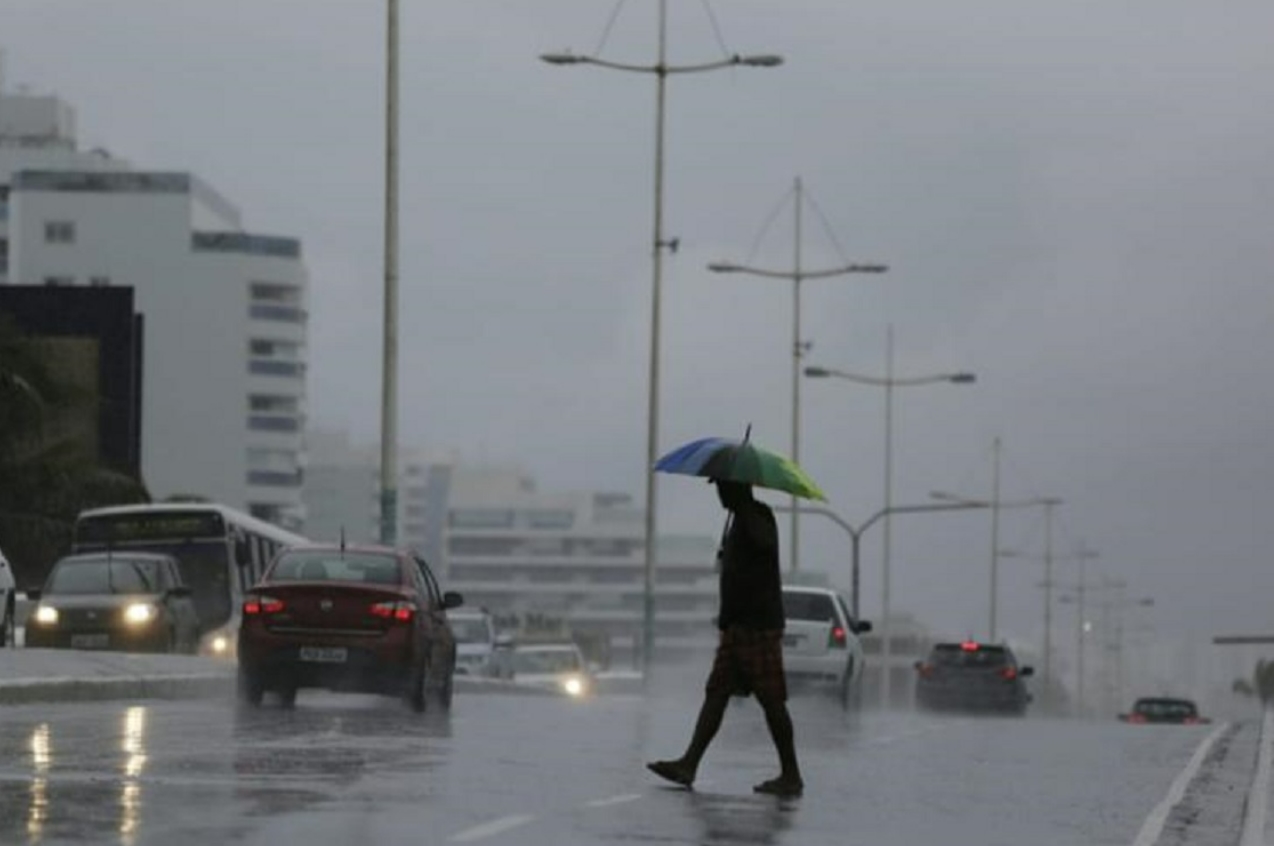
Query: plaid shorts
[749, 663]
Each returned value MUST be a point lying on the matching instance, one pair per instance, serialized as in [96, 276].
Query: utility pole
[995, 537]
[389, 358]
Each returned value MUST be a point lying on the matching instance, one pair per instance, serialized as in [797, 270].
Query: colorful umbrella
[740, 461]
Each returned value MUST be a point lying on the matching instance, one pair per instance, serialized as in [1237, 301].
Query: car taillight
[401, 611]
[1009, 673]
[262, 605]
[837, 639]
[1136, 718]
[1190, 721]
[925, 670]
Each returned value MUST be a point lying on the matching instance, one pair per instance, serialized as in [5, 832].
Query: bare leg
[780, 725]
[682, 770]
[710, 716]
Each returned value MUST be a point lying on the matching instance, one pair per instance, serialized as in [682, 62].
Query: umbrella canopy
[740, 461]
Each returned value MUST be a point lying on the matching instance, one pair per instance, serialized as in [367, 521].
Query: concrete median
[58, 675]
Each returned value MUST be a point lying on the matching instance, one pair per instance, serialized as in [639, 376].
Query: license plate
[93, 641]
[324, 654]
[793, 640]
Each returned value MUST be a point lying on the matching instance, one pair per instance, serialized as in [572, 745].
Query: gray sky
[1074, 198]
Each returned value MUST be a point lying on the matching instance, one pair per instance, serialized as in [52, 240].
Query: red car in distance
[358, 619]
[1164, 709]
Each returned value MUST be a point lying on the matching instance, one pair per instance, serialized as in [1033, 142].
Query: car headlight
[139, 613]
[574, 686]
[219, 643]
[46, 614]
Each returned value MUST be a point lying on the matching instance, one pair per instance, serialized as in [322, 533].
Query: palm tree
[48, 474]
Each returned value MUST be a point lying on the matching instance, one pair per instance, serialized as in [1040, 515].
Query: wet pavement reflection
[505, 769]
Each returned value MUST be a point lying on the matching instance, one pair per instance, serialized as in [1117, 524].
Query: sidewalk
[57, 675]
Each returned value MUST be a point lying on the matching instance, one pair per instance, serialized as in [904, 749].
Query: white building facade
[224, 310]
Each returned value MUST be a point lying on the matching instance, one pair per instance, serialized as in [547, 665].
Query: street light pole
[1049, 505]
[889, 382]
[389, 358]
[661, 69]
[797, 275]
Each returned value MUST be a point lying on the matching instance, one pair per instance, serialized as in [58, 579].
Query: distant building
[224, 371]
[93, 339]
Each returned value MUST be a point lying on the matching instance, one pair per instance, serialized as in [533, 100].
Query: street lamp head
[562, 58]
[723, 267]
[817, 372]
[761, 61]
[962, 378]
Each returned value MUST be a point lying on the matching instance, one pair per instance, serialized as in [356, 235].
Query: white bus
[220, 551]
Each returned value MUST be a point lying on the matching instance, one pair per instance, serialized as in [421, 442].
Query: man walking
[749, 658]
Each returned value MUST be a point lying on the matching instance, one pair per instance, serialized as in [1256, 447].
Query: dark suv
[972, 676]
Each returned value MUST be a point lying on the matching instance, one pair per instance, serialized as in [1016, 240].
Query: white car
[474, 630]
[820, 642]
[558, 666]
[8, 604]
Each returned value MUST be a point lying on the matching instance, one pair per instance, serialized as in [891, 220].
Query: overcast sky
[1074, 198]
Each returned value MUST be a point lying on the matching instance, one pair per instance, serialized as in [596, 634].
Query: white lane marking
[1259, 795]
[1153, 826]
[491, 829]
[613, 800]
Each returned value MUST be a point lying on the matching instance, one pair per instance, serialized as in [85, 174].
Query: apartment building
[224, 363]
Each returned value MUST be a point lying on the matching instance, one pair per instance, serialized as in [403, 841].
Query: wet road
[529, 770]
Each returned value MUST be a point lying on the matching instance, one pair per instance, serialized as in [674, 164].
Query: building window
[59, 281]
[273, 423]
[276, 368]
[99, 281]
[273, 404]
[59, 232]
[283, 313]
[481, 518]
[275, 292]
[550, 519]
[273, 479]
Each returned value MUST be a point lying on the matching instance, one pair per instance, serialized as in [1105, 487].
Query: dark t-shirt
[751, 585]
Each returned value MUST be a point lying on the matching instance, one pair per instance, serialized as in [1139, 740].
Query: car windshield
[798, 605]
[1165, 708]
[968, 655]
[471, 630]
[545, 660]
[335, 566]
[119, 574]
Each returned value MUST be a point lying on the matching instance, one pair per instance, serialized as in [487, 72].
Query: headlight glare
[139, 613]
[46, 614]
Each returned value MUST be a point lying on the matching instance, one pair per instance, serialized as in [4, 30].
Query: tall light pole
[796, 275]
[661, 70]
[889, 382]
[996, 504]
[389, 358]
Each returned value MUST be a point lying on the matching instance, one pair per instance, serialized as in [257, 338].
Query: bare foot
[781, 786]
[674, 771]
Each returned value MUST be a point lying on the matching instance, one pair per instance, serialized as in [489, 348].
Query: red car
[360, 619]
